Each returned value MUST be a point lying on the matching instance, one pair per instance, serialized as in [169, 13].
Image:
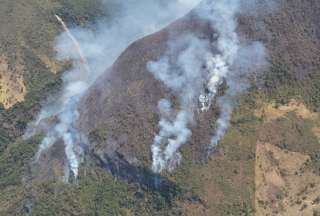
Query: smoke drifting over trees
[197, 73]
[193, 76]
[101, 45]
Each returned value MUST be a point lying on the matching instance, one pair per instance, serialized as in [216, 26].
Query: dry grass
[283, 186]
[12, 87]
[271, 112]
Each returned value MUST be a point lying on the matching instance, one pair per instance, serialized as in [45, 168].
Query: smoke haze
[101, 45]
[194, 75]
[226, 60]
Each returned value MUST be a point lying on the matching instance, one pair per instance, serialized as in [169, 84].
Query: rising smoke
[231, 62]
[194, 75]
[99, 48]
[185, 78]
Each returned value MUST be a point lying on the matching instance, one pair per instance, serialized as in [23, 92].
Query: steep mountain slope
[129, 117]
[120, 117]
[267, 164]
[127, 95]
[29, 72]
[28, 68]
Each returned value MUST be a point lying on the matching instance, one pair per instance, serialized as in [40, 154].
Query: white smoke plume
[101, 45]
[168, 129]
[185, 78]
[231, 62]
[250, 58]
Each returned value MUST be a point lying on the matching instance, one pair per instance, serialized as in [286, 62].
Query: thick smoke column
[185, 78]
[64, 130]
[231, 63]
[250, 58]
[222, 16]
[168, 128]
[101, 47]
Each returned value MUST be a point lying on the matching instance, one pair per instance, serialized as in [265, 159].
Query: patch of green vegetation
[81, 12]
[241, 209]
[97, 136]
[30, 29]
[15, 159]
[96, 193]
[14, 168]
[316, 212]
[292, 133]
[277, 75]
[226, 181]
[281, 86]
[4, 138]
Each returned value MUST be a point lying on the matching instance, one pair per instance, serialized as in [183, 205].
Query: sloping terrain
[121, 124]
[126, 95]
[28, 69]
[286, 175]
[129, 118]
[267, 164]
